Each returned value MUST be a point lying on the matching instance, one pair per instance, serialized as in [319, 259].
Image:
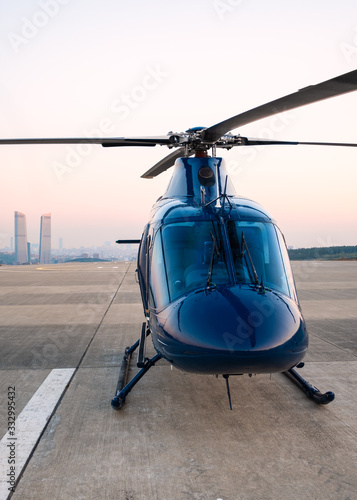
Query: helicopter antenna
[218, 199]
[224, 195]
[228, 391]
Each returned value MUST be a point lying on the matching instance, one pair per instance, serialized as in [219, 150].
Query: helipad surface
[175, 438]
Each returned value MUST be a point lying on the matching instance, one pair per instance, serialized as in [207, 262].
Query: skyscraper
[21, 254]
[45, 239]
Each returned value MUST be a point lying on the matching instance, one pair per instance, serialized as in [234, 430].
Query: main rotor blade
[308, 95]
[271, 142]
[164, 164]
[104, 141]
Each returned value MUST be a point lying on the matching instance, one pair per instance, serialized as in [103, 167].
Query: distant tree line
[7, 258]
[315, 253]
[324, 253]
[86, 259]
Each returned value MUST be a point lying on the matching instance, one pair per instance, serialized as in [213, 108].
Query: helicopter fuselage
[217, 288]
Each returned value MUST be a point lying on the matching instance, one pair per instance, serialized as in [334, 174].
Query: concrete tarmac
[175, 438]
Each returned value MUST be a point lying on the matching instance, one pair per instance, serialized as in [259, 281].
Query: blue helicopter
[216, 284]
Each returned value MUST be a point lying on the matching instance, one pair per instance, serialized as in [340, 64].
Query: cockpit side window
[159, 294]
[143, 265]
[286, 261]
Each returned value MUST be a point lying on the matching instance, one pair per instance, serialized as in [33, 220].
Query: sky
[75, 68]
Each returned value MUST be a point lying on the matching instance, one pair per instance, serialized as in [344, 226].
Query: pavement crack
[101, 321]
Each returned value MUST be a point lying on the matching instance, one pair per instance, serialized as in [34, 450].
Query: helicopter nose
[235, 329]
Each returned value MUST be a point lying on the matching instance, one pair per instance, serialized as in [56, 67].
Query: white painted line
[29, 426]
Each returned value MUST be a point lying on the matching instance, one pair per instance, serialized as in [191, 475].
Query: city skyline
[24, 248]
[26, 252]
[19, 243]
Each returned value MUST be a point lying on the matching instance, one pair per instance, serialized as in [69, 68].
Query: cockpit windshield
[193, 251]
[259, 255]
[192, 254]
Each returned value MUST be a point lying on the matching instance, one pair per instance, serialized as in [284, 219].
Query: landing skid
[310, 391]
[123, 388]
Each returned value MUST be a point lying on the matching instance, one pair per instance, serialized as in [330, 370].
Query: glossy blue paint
[216, 282]
[187, 180]
[231, 330]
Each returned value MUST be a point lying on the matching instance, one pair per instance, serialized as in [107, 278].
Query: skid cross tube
[123, 388]
[120, 395]
[310, 391]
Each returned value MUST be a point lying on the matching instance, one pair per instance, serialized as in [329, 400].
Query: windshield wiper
[244, 244]
[214, 251]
